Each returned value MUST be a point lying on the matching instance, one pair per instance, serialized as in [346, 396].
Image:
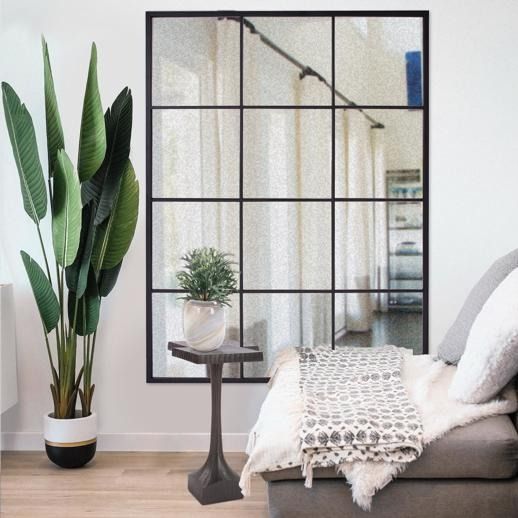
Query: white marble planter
[203, 324]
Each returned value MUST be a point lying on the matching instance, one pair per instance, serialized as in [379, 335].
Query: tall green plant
[94, 212]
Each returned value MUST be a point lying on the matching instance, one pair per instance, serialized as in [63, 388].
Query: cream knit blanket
[275, 444]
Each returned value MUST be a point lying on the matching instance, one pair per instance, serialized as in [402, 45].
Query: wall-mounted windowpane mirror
[297, 142]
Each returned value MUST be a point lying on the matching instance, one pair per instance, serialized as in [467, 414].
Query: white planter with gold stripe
[70, 443]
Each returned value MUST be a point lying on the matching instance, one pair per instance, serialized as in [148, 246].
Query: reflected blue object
[413, 78]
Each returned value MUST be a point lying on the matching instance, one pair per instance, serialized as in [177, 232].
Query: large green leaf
[86, 313]
[107, 279]
[55, 139]
[92, 138]
[114, 236]
[46, 299]
[25, 151]
[77, 272]
[66, 211]
[105, 184]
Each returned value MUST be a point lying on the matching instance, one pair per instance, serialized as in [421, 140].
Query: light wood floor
[147, 485]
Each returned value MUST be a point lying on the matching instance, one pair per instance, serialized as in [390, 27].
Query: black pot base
[71, 457]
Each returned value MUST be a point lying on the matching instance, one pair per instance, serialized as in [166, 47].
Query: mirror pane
[181, 226]
[372, 319]
[287, 245]
[379, 60]
[287, 153]
[269, 78]
[379, 245]
[365, 155]
[195, 62]
[274, 321]
[196, 153]
[168, 326]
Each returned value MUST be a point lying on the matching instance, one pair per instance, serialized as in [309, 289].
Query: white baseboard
[33, 441]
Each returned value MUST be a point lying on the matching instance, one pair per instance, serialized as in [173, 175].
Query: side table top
[230, 352]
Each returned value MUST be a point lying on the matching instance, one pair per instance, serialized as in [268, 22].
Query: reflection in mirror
[287, 153]
[288, 245]
[269, 79]
[379, 245]
[374, 319]
[182, 226]
[378, 60]
[195, 62]
[168, 326]
[364, 154]
[196, 153]
[274, 321]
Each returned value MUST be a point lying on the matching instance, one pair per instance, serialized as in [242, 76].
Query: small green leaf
[114, 236]
[66, 211]
[46, 299]
[25, 151]
[92, 138]
[55, 139]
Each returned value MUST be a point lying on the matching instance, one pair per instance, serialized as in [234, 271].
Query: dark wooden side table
[215, 481]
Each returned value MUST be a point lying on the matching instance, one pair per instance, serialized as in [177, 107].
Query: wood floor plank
[116, 485]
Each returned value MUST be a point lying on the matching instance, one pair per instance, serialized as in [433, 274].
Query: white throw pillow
[490, 360]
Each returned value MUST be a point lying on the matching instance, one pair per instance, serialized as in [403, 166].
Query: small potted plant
[209, 280]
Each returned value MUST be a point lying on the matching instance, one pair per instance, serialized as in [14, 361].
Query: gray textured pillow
[453, 345]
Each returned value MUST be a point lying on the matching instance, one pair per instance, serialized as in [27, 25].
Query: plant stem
[48, 351]
[44, 252]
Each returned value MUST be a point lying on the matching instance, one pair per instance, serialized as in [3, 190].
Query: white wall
[474, 181]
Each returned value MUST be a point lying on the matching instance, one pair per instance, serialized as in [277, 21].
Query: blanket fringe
[245, 482]
[307, 471]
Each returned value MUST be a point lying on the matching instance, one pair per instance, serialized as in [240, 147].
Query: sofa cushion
[485, 449]
[490, 360]
[451, 348]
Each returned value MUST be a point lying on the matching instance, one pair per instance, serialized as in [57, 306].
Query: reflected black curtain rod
[304, 69]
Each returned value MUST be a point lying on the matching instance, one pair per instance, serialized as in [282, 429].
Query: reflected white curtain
[361, 227]
[380, 270]
[354, 235]
[315, 310]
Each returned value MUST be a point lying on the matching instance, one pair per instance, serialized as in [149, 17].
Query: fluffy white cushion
[490, 360]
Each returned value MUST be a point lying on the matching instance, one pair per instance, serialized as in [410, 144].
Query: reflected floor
[396, 328]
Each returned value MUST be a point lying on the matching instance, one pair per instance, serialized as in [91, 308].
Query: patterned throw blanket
[355, 408]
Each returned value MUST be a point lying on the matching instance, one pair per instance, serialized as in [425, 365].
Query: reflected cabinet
[297, 142]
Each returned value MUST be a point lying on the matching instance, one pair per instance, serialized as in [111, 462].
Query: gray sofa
[471, 472]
